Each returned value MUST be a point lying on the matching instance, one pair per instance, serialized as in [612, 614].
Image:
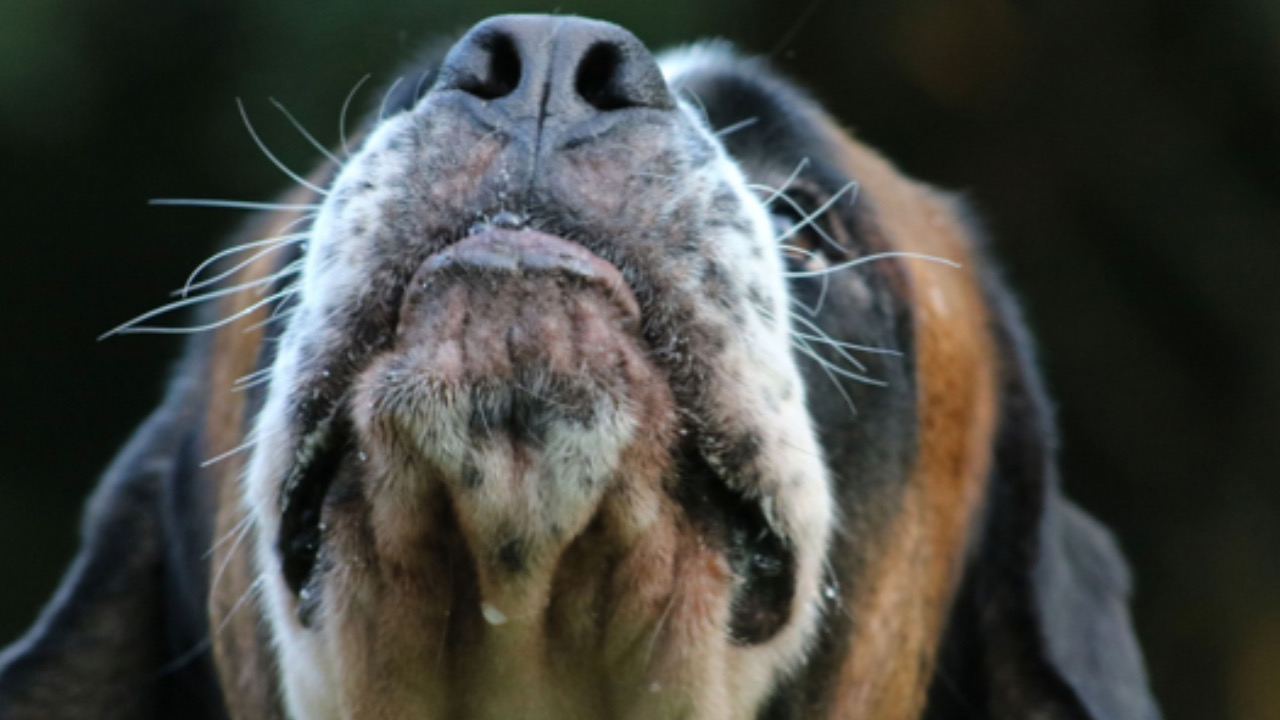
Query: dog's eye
[799, 240]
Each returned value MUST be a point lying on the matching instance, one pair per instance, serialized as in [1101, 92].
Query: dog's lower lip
[301, 496]
[517, 252]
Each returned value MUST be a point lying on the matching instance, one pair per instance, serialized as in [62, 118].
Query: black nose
[554, 68]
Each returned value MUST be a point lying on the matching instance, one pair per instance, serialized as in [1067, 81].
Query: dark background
[1126, 154]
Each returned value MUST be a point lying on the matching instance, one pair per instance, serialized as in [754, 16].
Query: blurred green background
[1126, 154]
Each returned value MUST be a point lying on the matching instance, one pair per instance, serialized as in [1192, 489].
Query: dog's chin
[518, 407]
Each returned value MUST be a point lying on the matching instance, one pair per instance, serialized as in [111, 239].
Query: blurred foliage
[1126, 154]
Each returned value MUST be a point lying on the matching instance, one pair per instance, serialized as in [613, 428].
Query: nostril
[496, 72]
[568, 69]
[600, 80]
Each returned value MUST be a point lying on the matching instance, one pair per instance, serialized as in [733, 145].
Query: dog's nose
[556, 70]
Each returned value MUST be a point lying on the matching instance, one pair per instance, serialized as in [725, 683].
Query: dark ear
[1081, 593]
[1042, 626]
[100, 647]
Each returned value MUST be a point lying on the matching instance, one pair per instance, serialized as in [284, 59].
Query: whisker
[826, 370]
[241, 531]
[276, 314]
[382, 109]
[822, 209]
[234, 204]
[695, 100]
[843, 353]
[826, 237]
[818, 335]
[419, 88]
[869, 258]
[310, 138]
[251, 384]
[195, 651]
[228, 536]
[342, 115]
[185, 302]
[826, 282]
[291, 268]
[242, 447]
[249, 379]
[160, 330]
[257, 140]
[272, 245]
[800, 166]
[804, 347]
[824, 337]
[282, 239]
[205, 644]
[735, 127]
[822, 295]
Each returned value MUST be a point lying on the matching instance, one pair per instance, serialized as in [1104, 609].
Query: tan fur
[901, 604]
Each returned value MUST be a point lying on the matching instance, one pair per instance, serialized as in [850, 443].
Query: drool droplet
[492, 615]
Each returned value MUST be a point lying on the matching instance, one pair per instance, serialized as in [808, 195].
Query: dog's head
[598, 386]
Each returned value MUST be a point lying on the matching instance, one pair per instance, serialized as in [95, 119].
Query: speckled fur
[664, 204]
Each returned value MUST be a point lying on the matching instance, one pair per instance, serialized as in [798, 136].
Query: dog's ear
[1042, 627]
[106, 645]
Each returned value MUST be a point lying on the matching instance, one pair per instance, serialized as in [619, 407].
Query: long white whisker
[342, 115]
[158, 330]
[275, 241]
[310, 138]
[275, 244]
[250, 384]
[804, 337]
[870, 258]
[804, 347]
[824, 337]
[234, 204]
[818, 335]
[186, 302]
[244, 115]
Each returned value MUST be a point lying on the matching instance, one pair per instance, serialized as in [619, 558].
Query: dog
[589, 384]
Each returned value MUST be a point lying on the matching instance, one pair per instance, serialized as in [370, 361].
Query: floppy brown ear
[1042, 626]
[117, 640]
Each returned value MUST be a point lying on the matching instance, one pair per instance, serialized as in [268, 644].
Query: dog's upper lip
[520, 252]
